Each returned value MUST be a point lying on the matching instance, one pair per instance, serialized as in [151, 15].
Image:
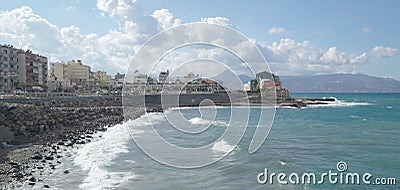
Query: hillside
[340, 83]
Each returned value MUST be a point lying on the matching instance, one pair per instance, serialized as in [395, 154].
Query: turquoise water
[362, 130]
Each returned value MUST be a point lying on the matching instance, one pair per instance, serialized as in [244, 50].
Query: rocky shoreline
[33, 134]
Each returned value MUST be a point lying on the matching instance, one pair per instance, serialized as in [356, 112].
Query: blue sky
[351, 36]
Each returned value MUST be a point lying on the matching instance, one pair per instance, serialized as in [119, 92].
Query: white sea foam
[201, 121]
[338, 103]
[94, 157]
[222, 146]
[191, 108]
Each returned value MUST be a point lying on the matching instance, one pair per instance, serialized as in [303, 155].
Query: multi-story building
[20, 68]
[162, 77]
[36, 69]
[9, 79]
[78, 74]
[102, 78]
[58, 76]
[139, 78]
[119, 80]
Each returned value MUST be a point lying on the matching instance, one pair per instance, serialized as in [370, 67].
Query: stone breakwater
[34, 133]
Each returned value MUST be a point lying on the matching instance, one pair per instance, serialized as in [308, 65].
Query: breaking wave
[222, 146]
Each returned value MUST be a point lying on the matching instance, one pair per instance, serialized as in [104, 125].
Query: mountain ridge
[340, 83]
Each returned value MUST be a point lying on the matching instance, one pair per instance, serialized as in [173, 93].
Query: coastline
[42, 129]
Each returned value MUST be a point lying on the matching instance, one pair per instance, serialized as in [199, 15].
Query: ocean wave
[338, 103]
[196, 107]
[94, 157]
[222, 146]
[201, 121]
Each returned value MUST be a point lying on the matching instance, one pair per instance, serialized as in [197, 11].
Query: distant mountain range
[322, 83]
[339, 83]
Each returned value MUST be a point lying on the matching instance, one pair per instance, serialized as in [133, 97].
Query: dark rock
[46, 186]
[66, 171]
[80, 142]
[33, 179]
[37, 157]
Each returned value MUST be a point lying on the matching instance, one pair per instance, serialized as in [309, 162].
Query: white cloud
[277, 30]
[165, 19]
[129, 10]
[333, 56]
[217, 20]
[22, 28]
[367, 29]
[114, 51]
[381, 51]
[289, 57]
[288, 50]
[359, 59]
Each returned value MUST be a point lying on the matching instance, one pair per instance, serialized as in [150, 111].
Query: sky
[296, 37]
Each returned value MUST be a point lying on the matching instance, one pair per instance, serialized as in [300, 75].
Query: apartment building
[101, 78]
[36, 69]
[78, 74]
[8, 68]
[19, 68]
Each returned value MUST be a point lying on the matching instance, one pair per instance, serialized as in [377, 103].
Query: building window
[5, 59]
[11, 59]
[5, 51]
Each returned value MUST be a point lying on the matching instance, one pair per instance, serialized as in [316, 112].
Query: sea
[357, 135]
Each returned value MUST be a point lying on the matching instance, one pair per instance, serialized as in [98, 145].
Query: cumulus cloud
[277, 30]
[288, 57]
[114, 51]
[165, 19]
[333, 56]
[359, 59]
[22, 28]
[129, 10]
[381, 51]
